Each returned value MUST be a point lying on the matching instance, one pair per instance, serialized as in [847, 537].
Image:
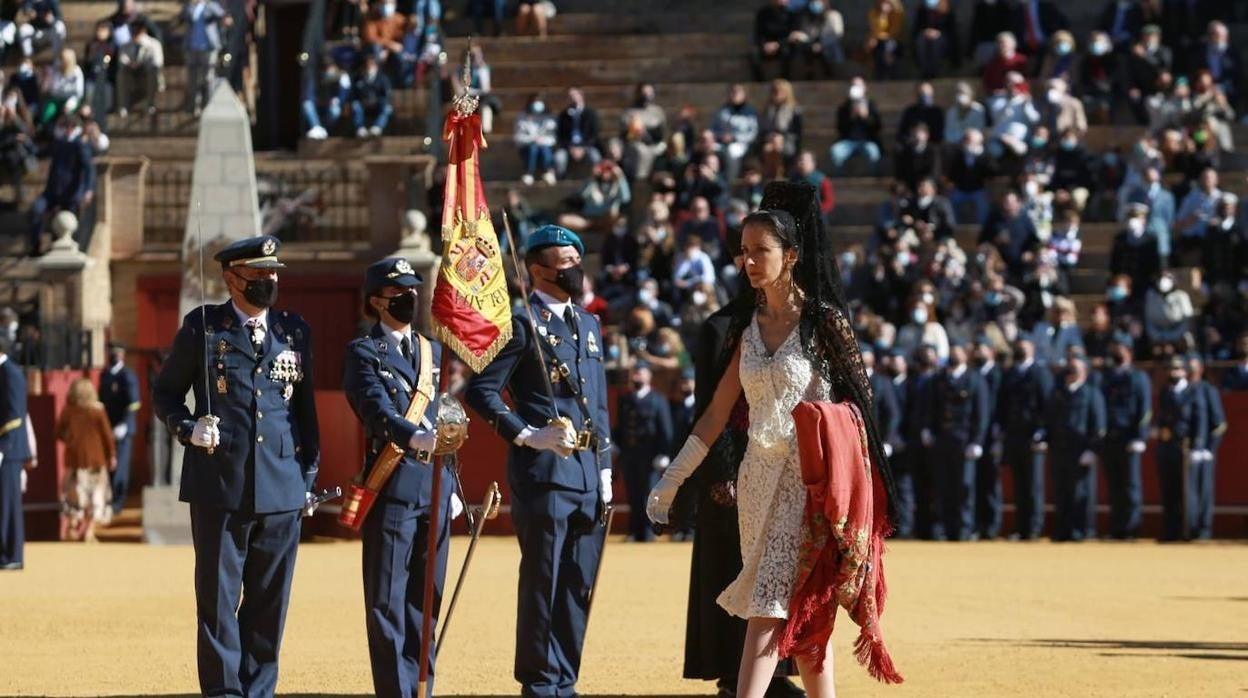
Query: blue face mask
[992, 299]
[1117, 293]
[1069, 145]
[931, 4]
[1064, 49]
[919, 315]
[816, 7]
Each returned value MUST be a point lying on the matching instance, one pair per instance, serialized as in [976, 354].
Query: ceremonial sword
[203, 315]
[488, 510]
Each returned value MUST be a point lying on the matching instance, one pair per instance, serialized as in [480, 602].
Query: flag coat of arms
[471, 307]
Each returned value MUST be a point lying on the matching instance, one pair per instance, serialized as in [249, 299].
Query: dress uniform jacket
[16, 450]
[1075, 423]
[555, 500]
[960, 419]
[270, 446]
[1129, 412]
[378, 382]
[1020, 412]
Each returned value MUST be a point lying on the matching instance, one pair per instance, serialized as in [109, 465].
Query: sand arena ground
[991, 619]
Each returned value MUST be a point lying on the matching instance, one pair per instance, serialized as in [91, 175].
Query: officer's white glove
[206, 433]
[23, 481]
[1039, 447]
[660, 463]
[888, 450]
[555, 437]
[1137, 446]
[926, 437]
[308, 507]
[1087, 459]
[120, 431]
[659, 503]
[604, 483]
[457, 507]
[423, 440]
[1201, 456]
[998, 450]
[974, 452]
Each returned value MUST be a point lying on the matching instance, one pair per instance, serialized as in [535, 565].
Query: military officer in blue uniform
[1025, 390]
[1182, 427]
[558, 465]
[1075, 429]
[683, 409]
[899, 373]
[920, 440]
[1204, 462]
[15, 452]
[1129, 410]
[643, 435]
[380, 375]
[884, 394]
[251, 459]
[988, 498]
[960, 425]
[119, 391]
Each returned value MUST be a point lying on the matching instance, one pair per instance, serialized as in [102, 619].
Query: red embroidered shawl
[841, 560]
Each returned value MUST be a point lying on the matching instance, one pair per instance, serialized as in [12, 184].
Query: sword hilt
[214, 420]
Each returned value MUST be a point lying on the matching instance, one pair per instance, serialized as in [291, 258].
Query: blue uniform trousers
[1028, 467]
[244, 564]
[560, 544]
[1201, 486]
[924, 471]
[12, 526]
[955, 489]
[395, 542]
[1126, 491]
[903, 477]
[639, 477]
[1176, 513]
[988, 497]
[121, 476]
[1074, 496]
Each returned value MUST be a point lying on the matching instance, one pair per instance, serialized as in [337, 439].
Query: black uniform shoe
[782, 687]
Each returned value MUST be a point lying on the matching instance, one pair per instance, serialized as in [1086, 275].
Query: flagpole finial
[466, 102]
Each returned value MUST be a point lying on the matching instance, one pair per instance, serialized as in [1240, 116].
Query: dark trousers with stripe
[1178, 500]
[1074, 496]
[121, 476]
[244, 564]
[988, 498]
[1126, 490]
[12, 527]
[1028, 467]
[560, 544]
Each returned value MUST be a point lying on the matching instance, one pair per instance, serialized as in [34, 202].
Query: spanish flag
[471, 306]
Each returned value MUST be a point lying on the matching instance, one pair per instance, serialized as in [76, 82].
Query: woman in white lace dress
[772, 369]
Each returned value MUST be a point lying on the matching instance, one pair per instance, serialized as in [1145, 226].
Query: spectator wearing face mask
[807, 171]
[1035, 23]
[62, 89]
[1196, 211]
[1060, 60]
[39, 22]
[1060, 112]
[694, 269]
[1211, 109]
[988, 20]
[1147, 60]
[929, 212]
[1222, 60]
[701, 225]
[370, 100]
[619, 258]
[1223, 253]
[934, 34]
[204, 20]
[603, 199]
[858, 128]
[736, 127]
[1006, 60]
[1168, 313]
[969, 170]
[1098, 78]
[142, 60]
[1014, 115]
[783, 115]
[1065, 244]
[923, 329]
[923, 110]
[1152, 193]
[98, 59]
[774, 23]
[323, 99]
[965, 114]
[643, 132]
[576, 134]
[917, 159]
[1134, 251]
[1072, 172]
[1124, 306]
[71, 179]
[536, 133]
[648, 299]
[886, 23]
[819, 38]
[383, 31]
[1012, 232]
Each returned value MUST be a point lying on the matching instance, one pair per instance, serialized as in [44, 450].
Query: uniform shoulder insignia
[382, 346]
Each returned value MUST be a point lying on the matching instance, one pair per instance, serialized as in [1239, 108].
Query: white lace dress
[771, 498]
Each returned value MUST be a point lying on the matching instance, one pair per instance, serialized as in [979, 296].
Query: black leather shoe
[782, 687]
[725, 688]
[12, 566]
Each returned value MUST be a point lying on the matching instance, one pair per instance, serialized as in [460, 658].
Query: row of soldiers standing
[950, 431]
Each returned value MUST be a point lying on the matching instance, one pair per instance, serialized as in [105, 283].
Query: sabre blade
[512, 242]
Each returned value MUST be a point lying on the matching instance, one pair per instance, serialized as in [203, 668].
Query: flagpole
[464, 106]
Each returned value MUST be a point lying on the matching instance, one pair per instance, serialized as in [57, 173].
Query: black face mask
[402, 307]
[261, 293]
[638, 385]
[1019, 357]
[571, 281]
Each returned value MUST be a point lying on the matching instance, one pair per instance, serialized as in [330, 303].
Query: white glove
[1137, 446]
[206, 433]
[604, 482]
[423, 440]
[308, 507]
[457, 507]
[659, 503]
[661, 462]
[998, 450]
[23, 481]
[1087, 459]
[888, 450]
[1202, 455]
[120, 431]
[974, 452]
[1039, 447]
[926, 437]
[552, 437]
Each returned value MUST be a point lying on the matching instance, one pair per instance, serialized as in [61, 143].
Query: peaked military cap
[391, 271]
[259, 252]
[553, 236]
